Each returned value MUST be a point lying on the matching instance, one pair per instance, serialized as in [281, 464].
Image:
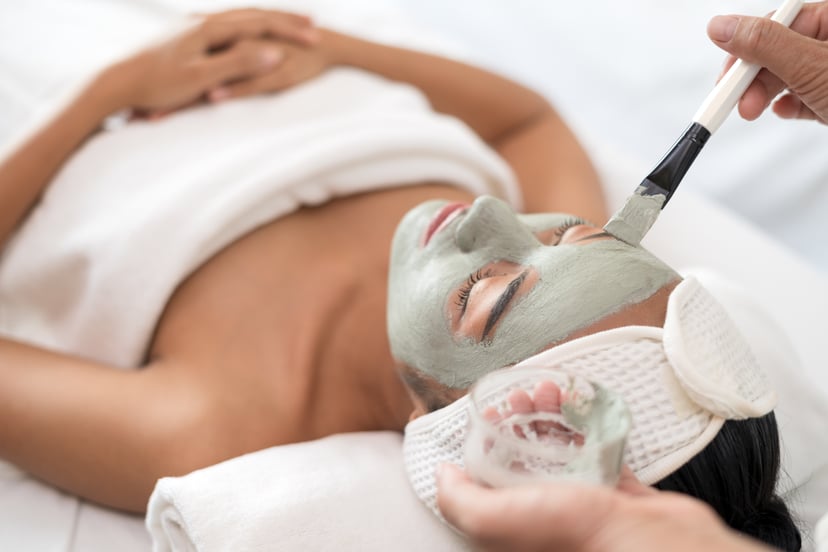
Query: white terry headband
[680, 383]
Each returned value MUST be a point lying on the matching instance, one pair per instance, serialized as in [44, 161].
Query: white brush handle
[721, 101]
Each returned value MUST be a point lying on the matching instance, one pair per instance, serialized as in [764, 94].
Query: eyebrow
[503, 302]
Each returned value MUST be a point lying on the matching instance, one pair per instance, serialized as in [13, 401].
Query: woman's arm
[29, 168]
[88, 428]
[64, 419]
[164, 77]
[552, 167]
[107, 434]
[554, 170]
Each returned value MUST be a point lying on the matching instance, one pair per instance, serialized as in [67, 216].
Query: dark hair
[736, 474]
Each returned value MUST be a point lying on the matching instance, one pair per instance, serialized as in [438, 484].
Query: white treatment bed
[628, 90]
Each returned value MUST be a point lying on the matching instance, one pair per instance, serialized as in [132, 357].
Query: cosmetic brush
[641, 210]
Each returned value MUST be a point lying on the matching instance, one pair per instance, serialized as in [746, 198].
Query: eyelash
[465, 291]
[569, 223]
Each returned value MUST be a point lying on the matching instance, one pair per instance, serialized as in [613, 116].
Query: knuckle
[478, 524]
[290, 77]
[207, 26]
[809, 73]
[759, 35]
[820, 14]
[470, 523]
[196, 72]
[250, 57]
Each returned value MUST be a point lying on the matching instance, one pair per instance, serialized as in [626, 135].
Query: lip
[442, 219]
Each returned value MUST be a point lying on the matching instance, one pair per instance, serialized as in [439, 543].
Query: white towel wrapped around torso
[138, 209]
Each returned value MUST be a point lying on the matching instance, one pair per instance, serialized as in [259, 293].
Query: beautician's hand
[568, 517]
[233, 46]
[796, 59]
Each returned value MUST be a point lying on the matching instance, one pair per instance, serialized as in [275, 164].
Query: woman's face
[476, 288]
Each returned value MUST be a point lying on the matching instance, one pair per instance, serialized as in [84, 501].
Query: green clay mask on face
[576, 286]
[632, 222]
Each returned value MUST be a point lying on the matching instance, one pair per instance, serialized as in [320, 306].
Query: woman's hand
[297, 63]
[221, 50]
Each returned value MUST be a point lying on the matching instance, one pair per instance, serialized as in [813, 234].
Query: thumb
[791, 56]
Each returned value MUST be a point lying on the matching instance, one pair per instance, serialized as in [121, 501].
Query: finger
[730, 60]
[629, 483]
[538, 517]
[244, 88]
[158, 114]
[491, 415]
[520, 402]
[256, 14]
[812, 21]
[287, 74]
[462, 502]
[547, 397]
[244, 60]
[229, 27]
[477, 511]
[241, 89]
[785, 52]
[765, 84]
[790, 106]
[757, 97]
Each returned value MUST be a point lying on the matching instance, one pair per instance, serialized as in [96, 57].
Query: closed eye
[561, 230]
[465, 291]
[502, 302]
[477, 306]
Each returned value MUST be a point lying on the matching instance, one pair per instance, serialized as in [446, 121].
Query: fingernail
[270, 57]
[219, 94]
[722, 27]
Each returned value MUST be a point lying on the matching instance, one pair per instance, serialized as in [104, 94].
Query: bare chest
[296, 311]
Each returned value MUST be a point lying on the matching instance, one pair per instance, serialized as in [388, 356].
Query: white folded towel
[346, 492]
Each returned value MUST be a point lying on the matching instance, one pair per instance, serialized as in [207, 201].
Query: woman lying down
[245, 271]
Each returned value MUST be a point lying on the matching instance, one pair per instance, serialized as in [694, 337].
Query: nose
[491, 222]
